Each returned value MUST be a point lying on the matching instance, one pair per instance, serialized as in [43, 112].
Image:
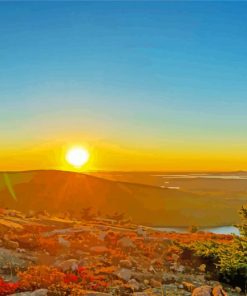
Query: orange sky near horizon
[117, 157]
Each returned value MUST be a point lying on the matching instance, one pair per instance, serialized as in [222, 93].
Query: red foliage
[91, 281]
[7, 288]
[45, 277]
[71, 278]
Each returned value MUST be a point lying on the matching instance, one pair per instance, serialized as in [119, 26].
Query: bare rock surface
[10, 260]
[70, 264]
[124, 274]
[40, 292]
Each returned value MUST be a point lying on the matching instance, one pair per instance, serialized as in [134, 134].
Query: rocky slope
[42, 254]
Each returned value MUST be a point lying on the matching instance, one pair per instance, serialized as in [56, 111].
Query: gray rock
[11, 260]
[148, 293]
[126, 242]
[40, 292]
[63, 242]
[124, 274]
[63, 231]
[93, 293]
[134, 285]
[70, 264]
[141, 231]
[177, 268]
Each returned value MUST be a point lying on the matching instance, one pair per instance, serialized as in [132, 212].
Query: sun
[77, 156]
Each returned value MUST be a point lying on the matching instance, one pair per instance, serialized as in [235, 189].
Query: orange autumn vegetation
[56, 281]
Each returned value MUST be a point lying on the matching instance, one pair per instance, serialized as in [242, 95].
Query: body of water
[217, 230]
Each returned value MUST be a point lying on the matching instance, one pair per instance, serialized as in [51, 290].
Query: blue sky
[144, 75]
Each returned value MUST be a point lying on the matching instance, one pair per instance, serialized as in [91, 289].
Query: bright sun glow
[77, 156]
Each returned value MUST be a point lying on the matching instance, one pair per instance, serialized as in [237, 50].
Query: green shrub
[229, 260]
[232, 263]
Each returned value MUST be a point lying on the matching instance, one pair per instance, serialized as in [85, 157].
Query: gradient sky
[142, 85]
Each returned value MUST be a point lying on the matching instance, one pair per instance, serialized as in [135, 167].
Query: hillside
[42, 255]
[58, 191]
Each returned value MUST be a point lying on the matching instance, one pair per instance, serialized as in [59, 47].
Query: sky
[141, 85]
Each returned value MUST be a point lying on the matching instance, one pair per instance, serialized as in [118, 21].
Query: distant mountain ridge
[59, 191]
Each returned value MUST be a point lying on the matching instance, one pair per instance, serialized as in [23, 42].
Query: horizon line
[124, 171]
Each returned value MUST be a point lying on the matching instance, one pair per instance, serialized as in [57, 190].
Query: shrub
[229, 260]
[243, 226]
[7, 288]
[36, 277]
[233, 262]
